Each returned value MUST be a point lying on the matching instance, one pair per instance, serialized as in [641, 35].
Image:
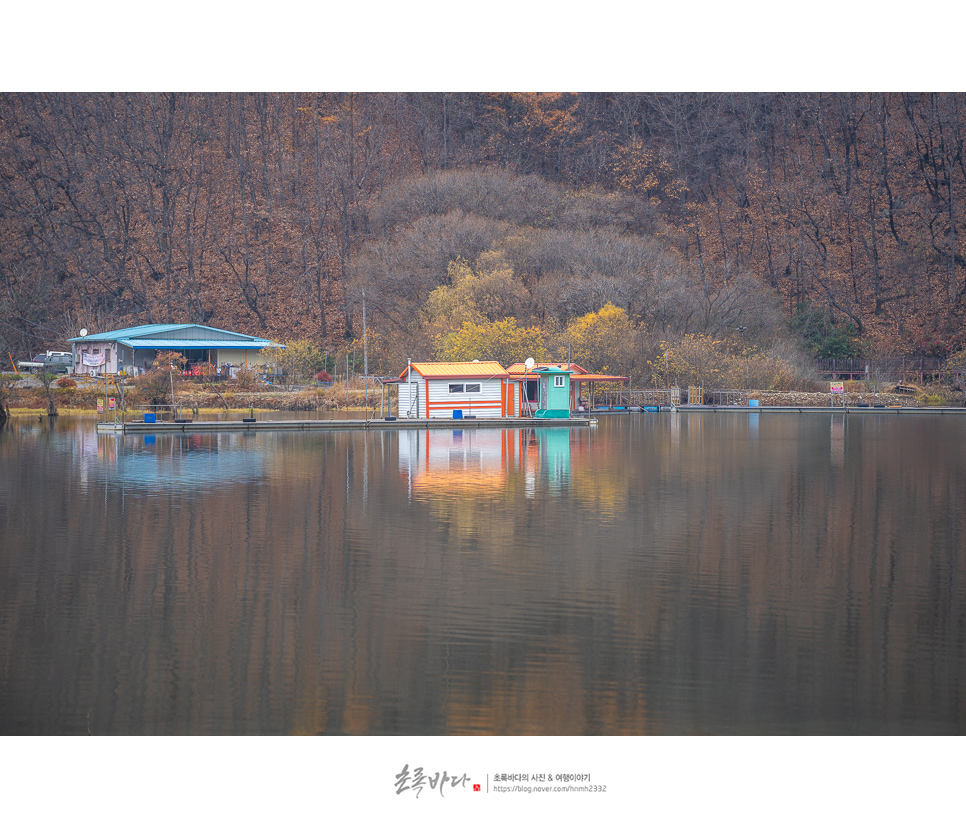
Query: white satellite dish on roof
[529, 363]
[83, 331]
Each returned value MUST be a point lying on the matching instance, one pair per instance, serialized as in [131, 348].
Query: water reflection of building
[554, 448]
[462, 460]
[176, 461]
[475, 462]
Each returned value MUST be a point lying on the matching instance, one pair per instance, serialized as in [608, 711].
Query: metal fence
[725, 398]
[896, 369]
[652, 398]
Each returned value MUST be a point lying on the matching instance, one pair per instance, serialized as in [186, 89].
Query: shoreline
[82, 401]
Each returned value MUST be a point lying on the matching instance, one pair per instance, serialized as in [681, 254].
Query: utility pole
[744, 356]
[365, 342]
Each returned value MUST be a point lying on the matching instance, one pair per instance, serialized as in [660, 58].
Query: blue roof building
[133, 349]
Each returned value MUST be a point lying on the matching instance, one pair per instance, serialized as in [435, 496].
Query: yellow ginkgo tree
[486, 291]
[604, 342]
[502, 341]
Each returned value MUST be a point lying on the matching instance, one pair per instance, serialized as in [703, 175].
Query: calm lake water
[657, 574]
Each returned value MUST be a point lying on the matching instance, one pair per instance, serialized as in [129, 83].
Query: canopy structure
[197, 344]
[578, 376]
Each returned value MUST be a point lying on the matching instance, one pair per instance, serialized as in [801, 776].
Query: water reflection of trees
[687, 577]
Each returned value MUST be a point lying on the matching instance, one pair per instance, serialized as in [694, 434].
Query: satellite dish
[83, 331]
[529, 363]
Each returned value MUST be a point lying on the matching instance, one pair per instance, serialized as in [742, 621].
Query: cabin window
[472, 388]
[456, 387]
[559, 382]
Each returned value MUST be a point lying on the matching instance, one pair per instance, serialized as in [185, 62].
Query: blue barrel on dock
[457, 413]
[150, 418]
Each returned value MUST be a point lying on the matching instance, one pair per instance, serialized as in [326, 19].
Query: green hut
[554, 392]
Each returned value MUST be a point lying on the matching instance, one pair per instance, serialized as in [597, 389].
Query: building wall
[495, 397]
[412, 396]
[138, 360]
[106, 352]
[143, 359]
[555, 400]
[486, 402]
[240, 358]
[513, 391]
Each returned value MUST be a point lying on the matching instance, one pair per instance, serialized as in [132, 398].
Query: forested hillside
[596, 221]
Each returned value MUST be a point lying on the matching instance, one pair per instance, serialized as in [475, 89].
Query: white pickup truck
[51, 362]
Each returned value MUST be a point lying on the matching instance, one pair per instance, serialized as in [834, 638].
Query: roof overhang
[194, 344]
[402, 376]
[457, 370]
[519, 368]
[574, 377]
[149, 335]
[599, 378]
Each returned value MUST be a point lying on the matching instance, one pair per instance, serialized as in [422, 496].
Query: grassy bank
[29, 399]
[83, 400]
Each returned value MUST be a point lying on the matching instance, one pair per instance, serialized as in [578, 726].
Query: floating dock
[260, 425]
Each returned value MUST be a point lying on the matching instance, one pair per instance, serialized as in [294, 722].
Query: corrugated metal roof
[519, 368]
[462, 370]
[188, 333]
[112, 335]
[516, 370]
[194, 344]
[598, 378]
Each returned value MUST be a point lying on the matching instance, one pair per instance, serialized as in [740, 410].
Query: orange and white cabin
[430, 390]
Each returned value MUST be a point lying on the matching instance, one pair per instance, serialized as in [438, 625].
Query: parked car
[51, 362]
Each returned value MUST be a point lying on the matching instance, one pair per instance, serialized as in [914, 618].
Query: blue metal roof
[194, 344]
[166, 335]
